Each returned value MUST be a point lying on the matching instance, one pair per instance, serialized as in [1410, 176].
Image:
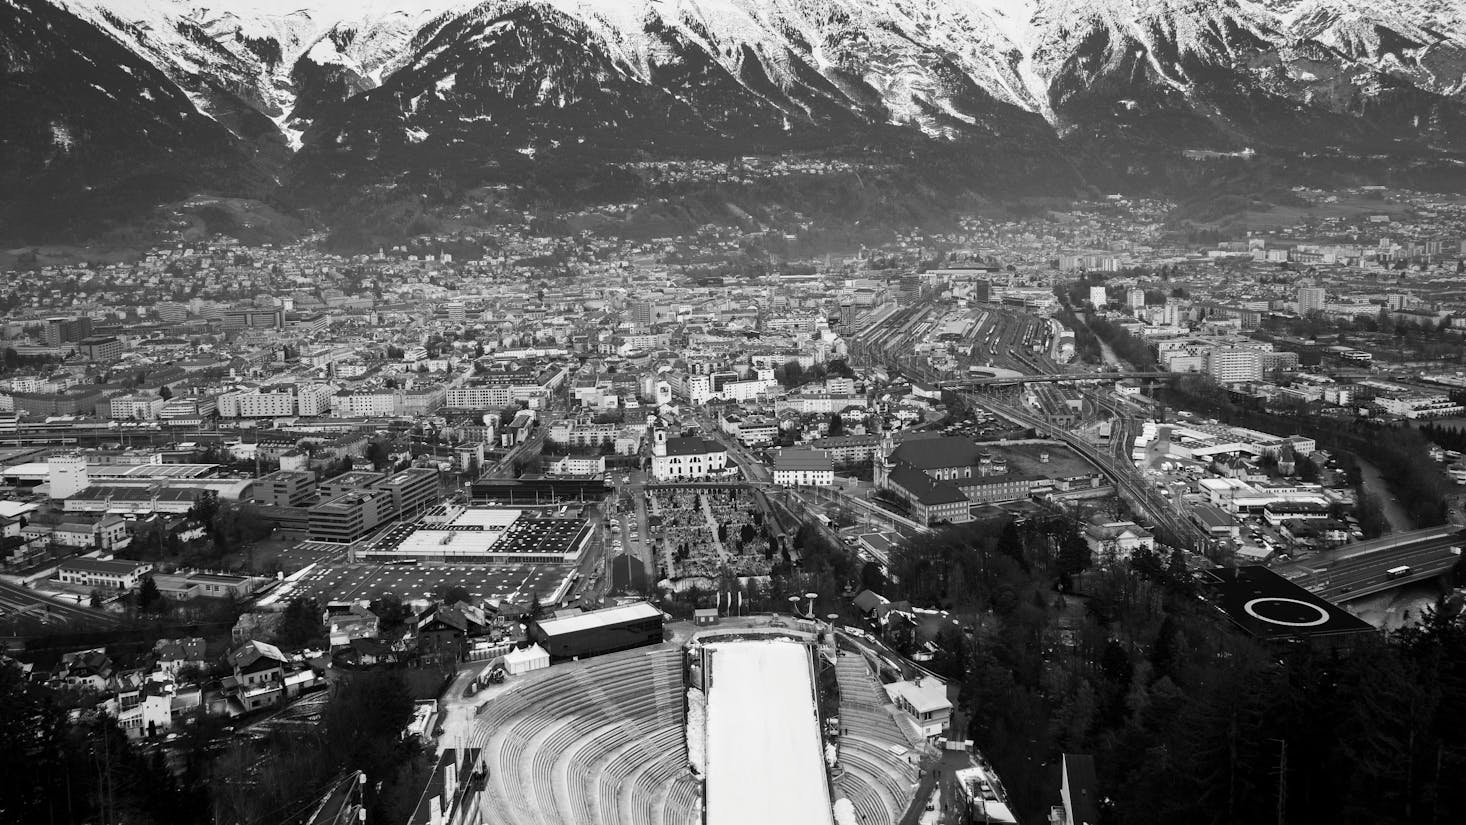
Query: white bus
[1398, 572]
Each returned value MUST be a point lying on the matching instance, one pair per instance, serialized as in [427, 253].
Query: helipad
[1268, 606]
[1287, 612]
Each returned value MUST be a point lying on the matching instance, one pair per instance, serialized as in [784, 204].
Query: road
[753, 469]
[504, 467]
[1445, 533]
[1365, 575]
[642, 548]
[1357, 570]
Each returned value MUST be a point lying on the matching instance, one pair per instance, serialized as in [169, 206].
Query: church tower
[883, 460]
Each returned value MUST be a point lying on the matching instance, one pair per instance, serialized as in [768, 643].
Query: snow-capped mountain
[279, 60]
[331, 90]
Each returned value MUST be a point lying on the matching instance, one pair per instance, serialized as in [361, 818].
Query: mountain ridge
[317, 99]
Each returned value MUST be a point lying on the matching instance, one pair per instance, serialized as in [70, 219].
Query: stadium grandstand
[731, 725]
[591, 743]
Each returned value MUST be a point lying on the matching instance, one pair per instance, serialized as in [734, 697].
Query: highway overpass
[1363, 569]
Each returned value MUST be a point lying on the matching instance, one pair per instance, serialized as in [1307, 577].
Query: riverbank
[1373, 482]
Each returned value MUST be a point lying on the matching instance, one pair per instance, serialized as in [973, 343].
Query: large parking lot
[506, 582]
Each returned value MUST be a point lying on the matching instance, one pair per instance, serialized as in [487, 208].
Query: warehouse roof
[600, 618]
[108, 566]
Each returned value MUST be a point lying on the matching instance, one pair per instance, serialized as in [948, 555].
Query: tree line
[1127, 347]
[56, 771]
[1449, 438]
[1186, 716]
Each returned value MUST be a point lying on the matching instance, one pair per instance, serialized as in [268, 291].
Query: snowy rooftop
[600, 618]
[925, 695]
[487, 518]
[765, 760]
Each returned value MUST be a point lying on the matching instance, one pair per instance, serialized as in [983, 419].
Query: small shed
[705, 616]
[526, 659]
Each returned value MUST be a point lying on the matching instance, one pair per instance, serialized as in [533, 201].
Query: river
[1396, 608]
[1374, 484]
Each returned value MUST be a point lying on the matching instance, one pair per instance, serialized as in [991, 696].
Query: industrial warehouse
[600, 631]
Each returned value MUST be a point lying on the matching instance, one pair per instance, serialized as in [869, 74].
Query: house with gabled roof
[258, 679]
[87, 670]
[867, 601]
[174, 654]
[448, 627]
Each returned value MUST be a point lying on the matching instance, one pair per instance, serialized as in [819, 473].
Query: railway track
[21, 604]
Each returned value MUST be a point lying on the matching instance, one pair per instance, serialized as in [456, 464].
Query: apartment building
[804, 468]
[1229, 365]
[353, 504]
[273, 403]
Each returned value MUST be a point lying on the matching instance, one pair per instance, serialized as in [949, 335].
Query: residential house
[925, 701]
[262, 677]
[172, 655]
[85, 670]
[448, 627]
[1117, 539]
[160, 706]
[107, 533]
[866, 601]
[348, 622]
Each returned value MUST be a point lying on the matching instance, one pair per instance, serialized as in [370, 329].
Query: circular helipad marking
[1286, 612]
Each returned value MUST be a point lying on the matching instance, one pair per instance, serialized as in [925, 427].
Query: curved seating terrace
[601, 744]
